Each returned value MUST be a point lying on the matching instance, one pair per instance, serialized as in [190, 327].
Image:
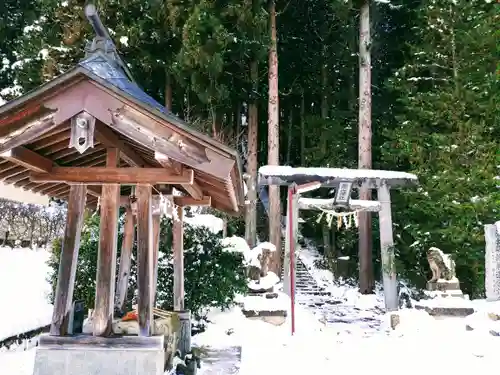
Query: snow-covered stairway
[338, 313]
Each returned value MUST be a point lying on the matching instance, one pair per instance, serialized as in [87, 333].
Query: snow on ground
[23, 291]
[418, 341]
[268, 349]
[24, 305]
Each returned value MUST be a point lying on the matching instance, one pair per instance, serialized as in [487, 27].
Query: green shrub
[212, 275]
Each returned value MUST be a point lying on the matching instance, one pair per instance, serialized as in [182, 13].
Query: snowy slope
[24, 291]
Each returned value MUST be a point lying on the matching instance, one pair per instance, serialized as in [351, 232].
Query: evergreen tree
[446, 135]
[18, 17]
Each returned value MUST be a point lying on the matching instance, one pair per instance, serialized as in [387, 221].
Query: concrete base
[457, 293]
[443, 285]
[88, 355]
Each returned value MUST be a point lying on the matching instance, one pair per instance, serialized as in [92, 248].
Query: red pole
[291, 191]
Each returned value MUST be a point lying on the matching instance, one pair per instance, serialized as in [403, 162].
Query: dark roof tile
[106, 69]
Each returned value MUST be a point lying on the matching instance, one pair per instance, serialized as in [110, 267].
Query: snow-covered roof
[355, 204]
[330, 177]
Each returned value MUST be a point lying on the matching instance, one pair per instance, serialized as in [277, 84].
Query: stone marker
[492, 261]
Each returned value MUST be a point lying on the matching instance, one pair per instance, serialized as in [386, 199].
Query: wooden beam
[144, 259]
[34, 162]
[109, 138]
[106, 258]
[69, 257]
[179, 201]
[28, 159]
[112, 175]
[205, 201]
[193, 189]
[125, 261]
[34, 122]
[178, 247]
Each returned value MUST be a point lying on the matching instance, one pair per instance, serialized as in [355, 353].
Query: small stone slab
[252, 291]
[492, 332]
[271, 295]
[446, 311]
[263, 313]
[226, 361]
[443, 285]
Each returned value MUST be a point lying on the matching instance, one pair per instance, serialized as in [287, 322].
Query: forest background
[435, 98]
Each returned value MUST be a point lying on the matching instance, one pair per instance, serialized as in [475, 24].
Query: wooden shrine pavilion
[92, 137]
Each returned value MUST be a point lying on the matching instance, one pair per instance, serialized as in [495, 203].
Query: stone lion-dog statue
[441, 264]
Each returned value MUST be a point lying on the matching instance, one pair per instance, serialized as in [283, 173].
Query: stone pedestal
[270, 308]
[444, 285]
[88, 355]
[447, 299]
[444, 288]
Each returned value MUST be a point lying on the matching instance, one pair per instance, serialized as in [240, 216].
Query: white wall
[19, 195]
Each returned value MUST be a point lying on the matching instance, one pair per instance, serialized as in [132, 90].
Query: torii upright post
[292, 227]
[387, 248]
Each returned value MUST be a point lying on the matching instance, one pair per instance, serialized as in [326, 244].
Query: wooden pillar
[106, 258]
[387, 249]
[286, 259]
[69, 257]
[125, 261]
[178, 247]
[144, 259]
[156, 251]
[295, 235]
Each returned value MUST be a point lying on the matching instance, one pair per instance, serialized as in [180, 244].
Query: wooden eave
[226, 191]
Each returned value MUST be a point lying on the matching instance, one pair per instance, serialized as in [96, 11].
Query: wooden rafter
[28, 159]
[108, 138]
[193, 189]
[105, 175]
[31, 131]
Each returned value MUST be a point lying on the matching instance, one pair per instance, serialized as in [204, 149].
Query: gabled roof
[113, 87]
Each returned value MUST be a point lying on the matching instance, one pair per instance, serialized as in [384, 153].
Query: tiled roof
[99, 65]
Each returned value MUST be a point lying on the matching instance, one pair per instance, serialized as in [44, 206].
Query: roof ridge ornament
[102, 42]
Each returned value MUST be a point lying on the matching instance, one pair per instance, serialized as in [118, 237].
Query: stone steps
[333, 312]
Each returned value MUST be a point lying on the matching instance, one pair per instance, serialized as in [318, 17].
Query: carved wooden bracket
[82, 132]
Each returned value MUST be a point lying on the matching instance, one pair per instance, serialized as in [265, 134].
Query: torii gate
[300, 180]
